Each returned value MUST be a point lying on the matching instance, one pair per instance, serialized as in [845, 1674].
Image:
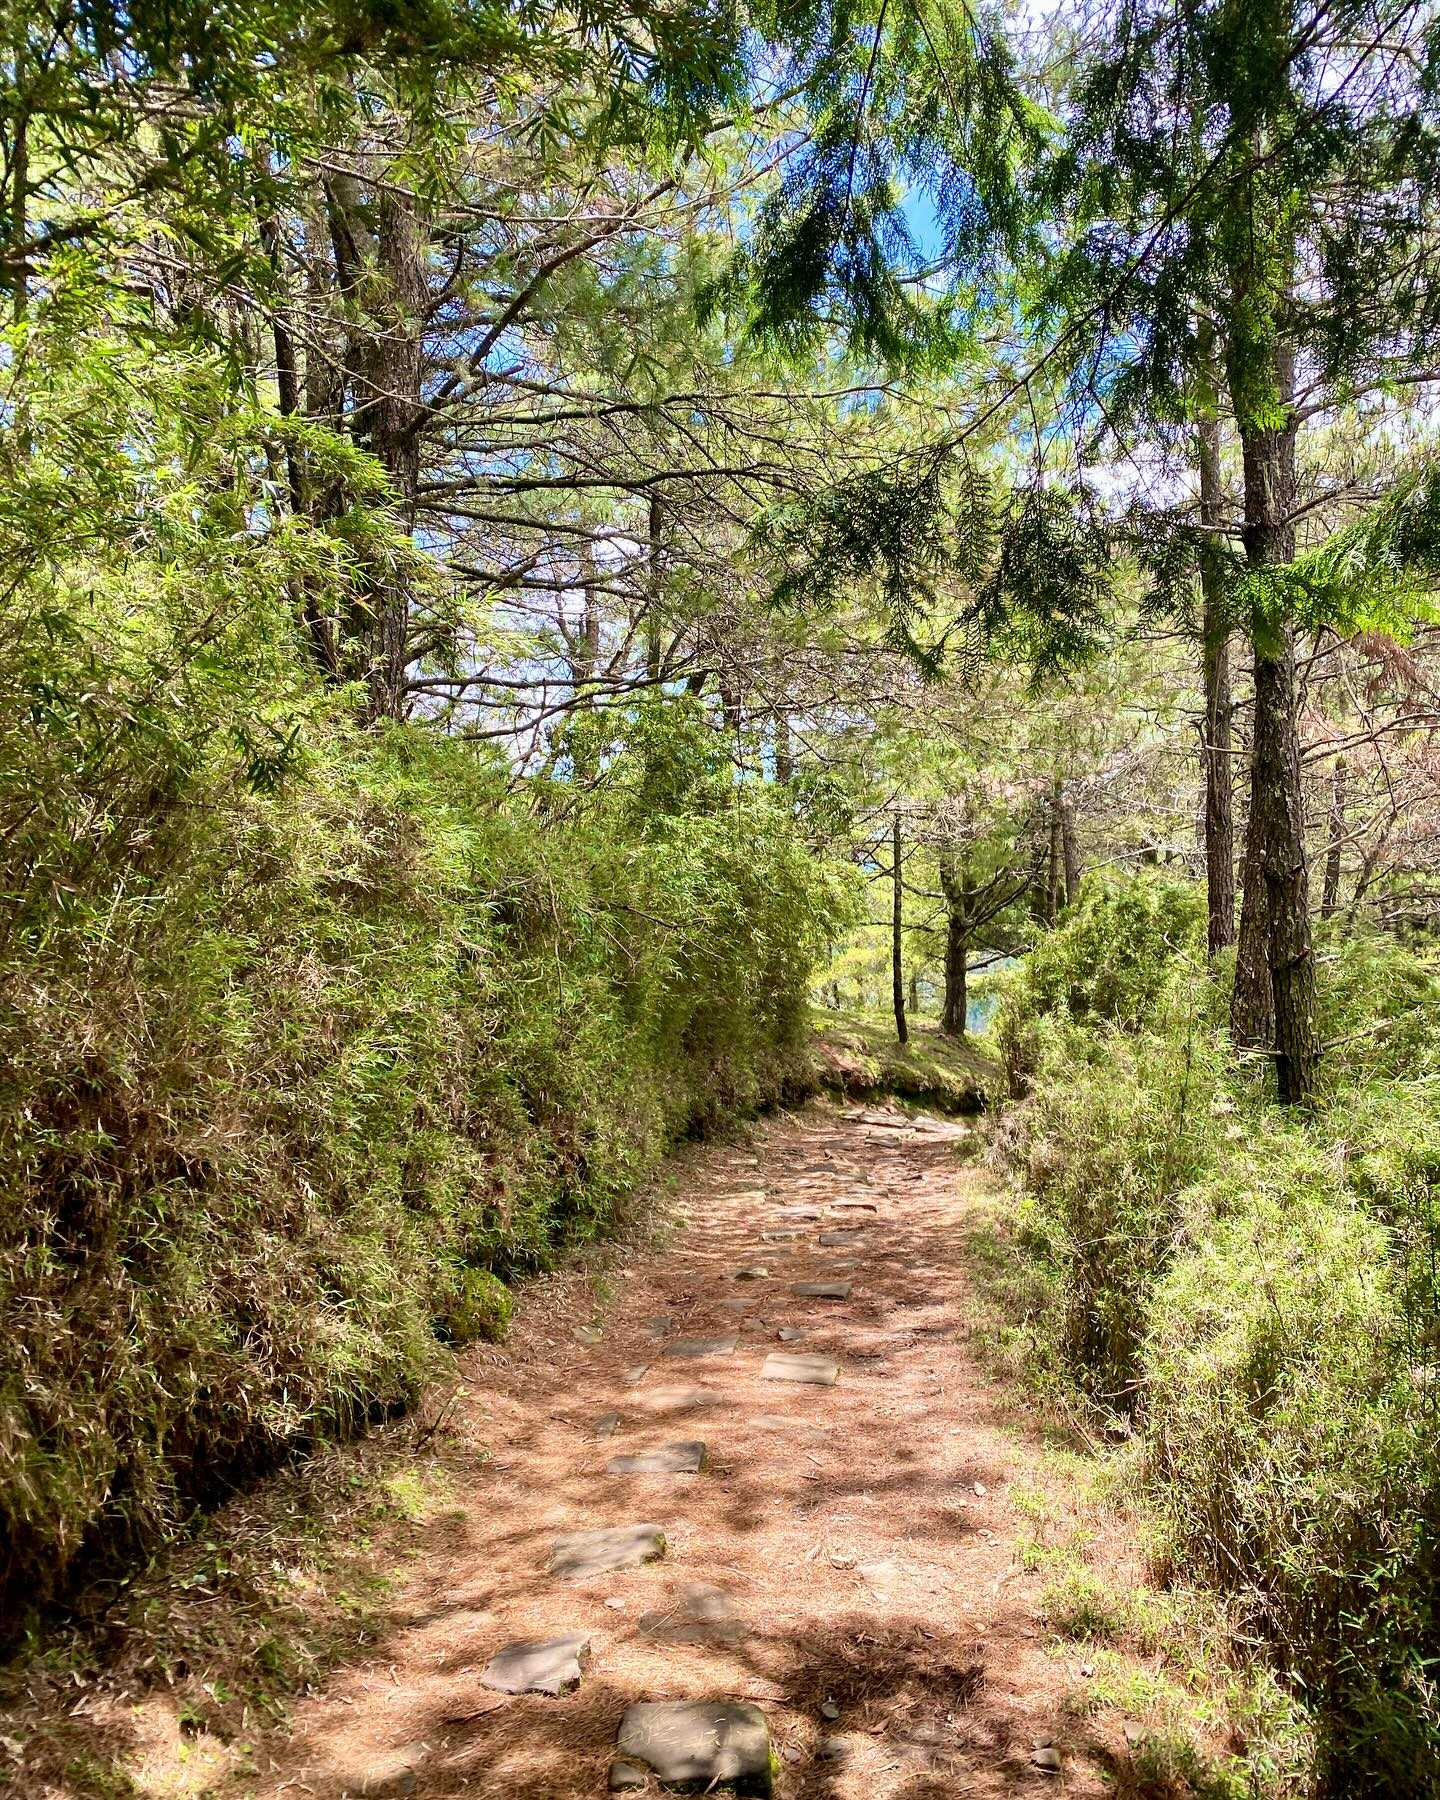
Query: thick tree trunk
[384, 271]
[1215, 745]
[955, 885]
[1330, 893]
[1276, 869]
[897, 934]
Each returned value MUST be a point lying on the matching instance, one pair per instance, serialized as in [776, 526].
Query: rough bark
[1069, 847]
[1219, 816]
[382, 274]
[897, 932]
[955, 886]
[1252, 999]
[1276, 867]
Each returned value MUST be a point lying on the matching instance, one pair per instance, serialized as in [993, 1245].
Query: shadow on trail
[853, 1527]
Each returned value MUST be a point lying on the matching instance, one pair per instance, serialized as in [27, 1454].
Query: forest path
[846, 1561]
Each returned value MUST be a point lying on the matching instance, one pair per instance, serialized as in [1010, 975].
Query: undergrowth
[312, 1035]
[1254, 1293]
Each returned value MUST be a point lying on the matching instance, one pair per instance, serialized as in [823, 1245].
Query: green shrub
[1263, 1289]
[480, 1309]
[1116, 1126]
[298, 1020]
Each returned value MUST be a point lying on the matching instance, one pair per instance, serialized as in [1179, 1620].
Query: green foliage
[1109, 960]
[1107, 964]
[481, 1308]
[1262, 1293]
[310, 1034]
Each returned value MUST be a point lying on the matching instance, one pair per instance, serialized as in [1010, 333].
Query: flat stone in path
[797, 1212]
[699, 1614]
[698, 1744]
[538, 1665]
[605, 1425]
[698, 1347]
[832, 1239]
[782, 1232]
[681, 1399]
[854, 1206]
[793, 1365]
[610, 1547]
[752, 1272]
[822, 1290]
[687, 1458]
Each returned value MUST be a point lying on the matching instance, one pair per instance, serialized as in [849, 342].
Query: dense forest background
[542, 549]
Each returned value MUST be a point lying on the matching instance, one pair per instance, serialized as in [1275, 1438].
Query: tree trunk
[385, 271]
[897, 931]
[318, 625]
[955, 885]
[1215, 744]
[1069, 848]
[784, 750]
[1330, 894]
[1276, 868]
[1252, 999]
[1052, 879]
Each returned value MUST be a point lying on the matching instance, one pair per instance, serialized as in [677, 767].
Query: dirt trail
[854, 1543]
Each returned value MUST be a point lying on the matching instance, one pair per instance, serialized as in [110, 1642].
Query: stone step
[685, 1458]
[822, 1290]
[699, 1614]
[538, 1665]
[680, 1399]
[700, 1745]
[603, 1549]
[794, 1365]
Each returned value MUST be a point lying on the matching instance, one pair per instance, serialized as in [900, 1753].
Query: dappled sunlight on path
[844, 1560]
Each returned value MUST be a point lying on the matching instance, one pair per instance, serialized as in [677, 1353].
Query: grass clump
[1256, 1294]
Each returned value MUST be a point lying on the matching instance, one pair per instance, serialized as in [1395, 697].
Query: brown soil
[862, 1532]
